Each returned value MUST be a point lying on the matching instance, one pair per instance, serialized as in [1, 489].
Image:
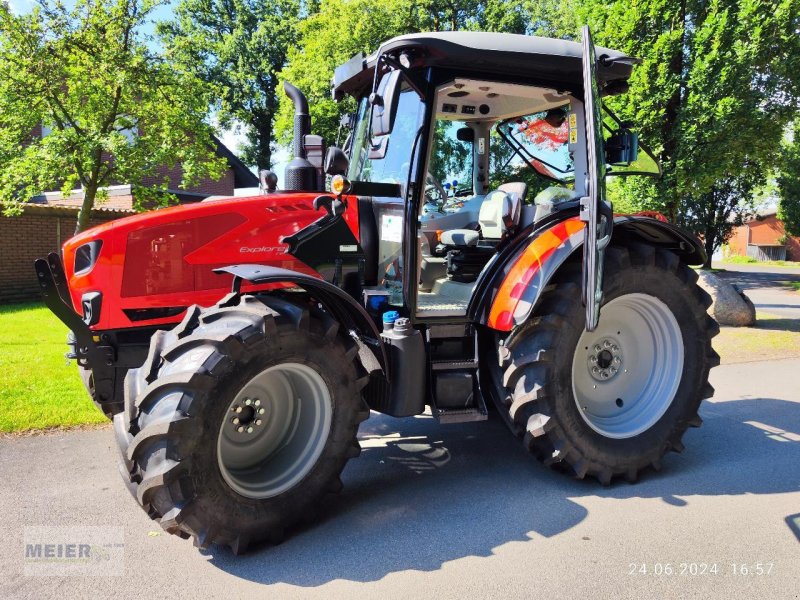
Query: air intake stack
[300, 174]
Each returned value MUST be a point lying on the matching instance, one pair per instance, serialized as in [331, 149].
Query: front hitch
[88, 347]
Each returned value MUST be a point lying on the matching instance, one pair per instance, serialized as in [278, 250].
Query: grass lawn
[746, 260]
[772, 338]
[795, 285]
[38, 390]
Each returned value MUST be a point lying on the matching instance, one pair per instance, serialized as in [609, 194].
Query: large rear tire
[611, 402]
[241, 420]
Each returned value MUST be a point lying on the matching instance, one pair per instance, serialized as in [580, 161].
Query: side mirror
[336, 161]
[465, 134]
[384, 103]
[622, 147]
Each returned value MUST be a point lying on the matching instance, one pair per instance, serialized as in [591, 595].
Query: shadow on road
[422, 495]
[749, 279]
[778, 324]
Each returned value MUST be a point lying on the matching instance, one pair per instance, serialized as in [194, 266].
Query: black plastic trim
[339, 303]
[145, 314]
[662, 234]
[368, 232]
[91, 303]
[378, 190]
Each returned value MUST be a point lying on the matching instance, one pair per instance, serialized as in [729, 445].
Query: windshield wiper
[529, 159]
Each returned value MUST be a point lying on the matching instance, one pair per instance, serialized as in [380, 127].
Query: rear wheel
[241, 420]
[613, 401]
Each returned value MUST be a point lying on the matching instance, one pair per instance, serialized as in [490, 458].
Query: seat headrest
[500, 212]
[519, 188]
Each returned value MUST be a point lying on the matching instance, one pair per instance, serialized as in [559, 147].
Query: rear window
[541, 141]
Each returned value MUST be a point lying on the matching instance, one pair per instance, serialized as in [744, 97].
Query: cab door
[596, 211]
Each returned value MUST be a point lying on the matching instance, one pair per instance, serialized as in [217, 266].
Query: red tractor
[237, 344]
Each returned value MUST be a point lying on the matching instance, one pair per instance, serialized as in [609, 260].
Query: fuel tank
[149, 268]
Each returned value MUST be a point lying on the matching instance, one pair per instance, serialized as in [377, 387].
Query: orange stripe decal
[501, 315]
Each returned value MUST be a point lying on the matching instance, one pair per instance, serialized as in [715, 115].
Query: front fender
[517, 284]
[343, 307]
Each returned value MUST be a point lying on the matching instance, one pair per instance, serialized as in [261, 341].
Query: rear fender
[343, 307]
[517, 285]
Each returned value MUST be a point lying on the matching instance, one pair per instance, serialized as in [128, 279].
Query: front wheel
[613, 401]
[240, 421]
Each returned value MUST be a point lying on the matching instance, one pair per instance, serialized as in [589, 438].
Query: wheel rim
[625, 373]
[274, 430]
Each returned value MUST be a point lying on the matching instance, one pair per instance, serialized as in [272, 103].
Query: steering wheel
[433, 185]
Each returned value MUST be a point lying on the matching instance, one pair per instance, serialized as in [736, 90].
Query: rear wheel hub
[604, 358]
[625, 373]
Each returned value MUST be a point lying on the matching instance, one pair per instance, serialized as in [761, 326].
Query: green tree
[789, 185]
[238, 46]
[115, 110]
[323, 44]
[718, 82]
[328, 38]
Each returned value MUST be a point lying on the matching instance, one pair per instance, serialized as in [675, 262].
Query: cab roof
[502, 54]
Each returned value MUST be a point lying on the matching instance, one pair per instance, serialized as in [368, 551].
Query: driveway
[767, 287]
[461, 511]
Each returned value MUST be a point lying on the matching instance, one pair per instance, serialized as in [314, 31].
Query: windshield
[367, 162]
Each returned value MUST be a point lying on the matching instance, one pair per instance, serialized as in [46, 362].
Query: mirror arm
[373, 94]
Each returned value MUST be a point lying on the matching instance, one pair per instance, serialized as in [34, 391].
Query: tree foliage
[718, 82]
[789, 184]
[341, 29]
[238, 46]
[115, 111]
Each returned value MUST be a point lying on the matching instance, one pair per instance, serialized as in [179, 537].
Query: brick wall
[25, 238]
[738, 243]
[767, 232]
[793, 248]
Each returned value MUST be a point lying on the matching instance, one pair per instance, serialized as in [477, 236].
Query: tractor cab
[463, 146]
[461, 143]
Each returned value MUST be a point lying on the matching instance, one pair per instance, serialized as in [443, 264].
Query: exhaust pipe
[300, 174]
[302, 120]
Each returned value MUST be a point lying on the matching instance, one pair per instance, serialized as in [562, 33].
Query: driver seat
[468, 250]
[499, 215]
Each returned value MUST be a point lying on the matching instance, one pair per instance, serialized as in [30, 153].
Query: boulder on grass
[731, 305]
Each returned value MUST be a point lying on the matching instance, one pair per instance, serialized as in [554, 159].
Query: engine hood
[150, 267]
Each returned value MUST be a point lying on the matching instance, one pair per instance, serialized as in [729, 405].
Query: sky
[229, 137]
[20, 6]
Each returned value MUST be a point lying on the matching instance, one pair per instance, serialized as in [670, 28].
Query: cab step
[455, 395]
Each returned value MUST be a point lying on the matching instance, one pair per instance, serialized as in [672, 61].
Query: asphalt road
[461, 512]
[767, 287]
